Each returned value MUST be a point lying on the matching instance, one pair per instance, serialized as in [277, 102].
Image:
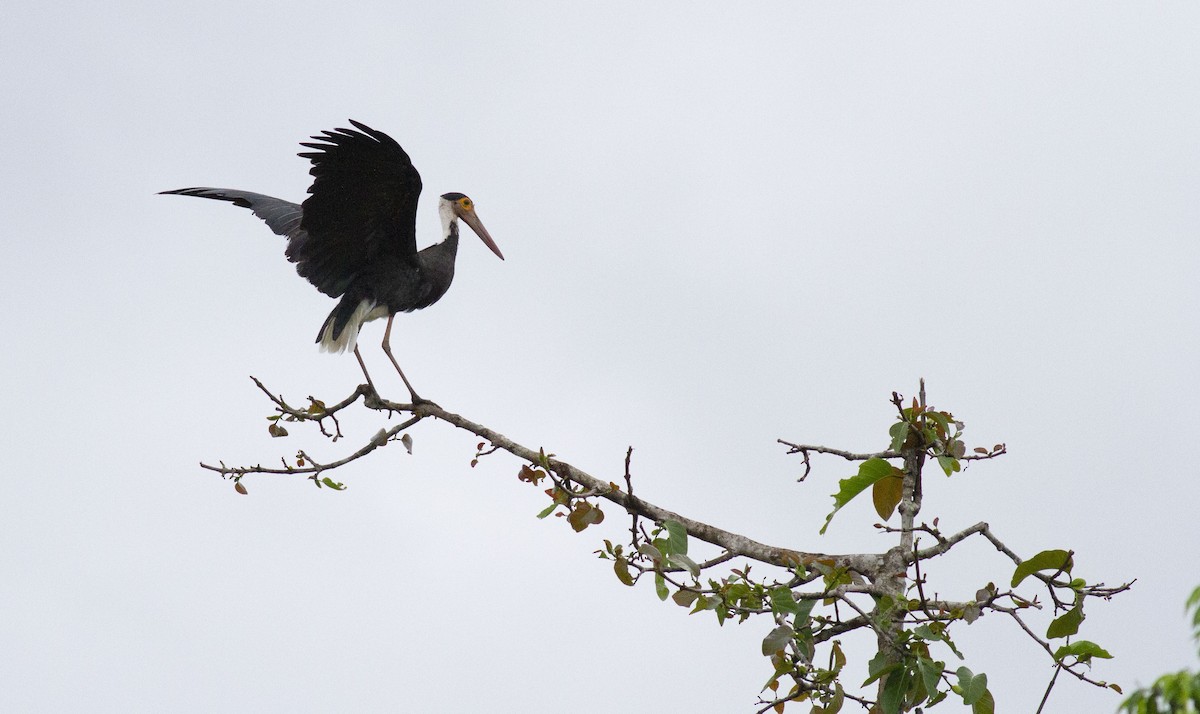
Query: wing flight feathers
[362, 207]
[282, 217]
[361, 211]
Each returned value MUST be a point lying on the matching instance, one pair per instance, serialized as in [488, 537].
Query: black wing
[363, 208]
[281, 216]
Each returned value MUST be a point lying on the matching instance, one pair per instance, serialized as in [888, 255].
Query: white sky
[723, 226]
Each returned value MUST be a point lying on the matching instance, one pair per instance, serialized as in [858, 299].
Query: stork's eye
[464, 202]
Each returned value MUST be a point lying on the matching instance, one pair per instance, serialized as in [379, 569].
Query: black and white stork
[354, 237]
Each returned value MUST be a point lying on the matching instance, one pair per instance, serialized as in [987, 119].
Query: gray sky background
[723, 226]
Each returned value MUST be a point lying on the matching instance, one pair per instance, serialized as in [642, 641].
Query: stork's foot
[418, 401]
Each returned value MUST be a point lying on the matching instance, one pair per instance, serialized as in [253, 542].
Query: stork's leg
[364, 369]
[387, 350]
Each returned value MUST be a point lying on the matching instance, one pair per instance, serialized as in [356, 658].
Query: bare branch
[633, 526]
[841, 628]
[983, 457]
[362, 390]
[1050, 686]
[946, 543]
[848, 455]
[733, 543]
[376, 442]
[805, 449]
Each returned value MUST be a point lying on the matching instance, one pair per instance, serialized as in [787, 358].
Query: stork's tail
[340, 331]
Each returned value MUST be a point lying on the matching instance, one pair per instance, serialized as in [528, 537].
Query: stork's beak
[472, 220]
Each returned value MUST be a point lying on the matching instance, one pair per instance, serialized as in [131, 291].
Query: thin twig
[1042, 705]
[848, 455]
[375, 443]
[633, 526]
[1046, 646]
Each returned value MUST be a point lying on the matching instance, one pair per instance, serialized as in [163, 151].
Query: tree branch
[377, 441]
[923, 433]
[733, 543]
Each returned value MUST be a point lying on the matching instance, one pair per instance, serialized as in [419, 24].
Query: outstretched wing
[281, 216]
[362, 209]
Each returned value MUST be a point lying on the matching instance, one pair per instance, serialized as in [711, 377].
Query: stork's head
[454, 206]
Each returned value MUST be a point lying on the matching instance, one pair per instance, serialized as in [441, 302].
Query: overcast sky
[722, 226]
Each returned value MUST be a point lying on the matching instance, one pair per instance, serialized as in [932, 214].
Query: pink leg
[364, 369]
[387, 349]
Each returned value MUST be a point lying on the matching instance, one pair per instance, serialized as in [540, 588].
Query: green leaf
[621, 568]
[333, 484]
[651, 552]
[804, 608]
[879, 666]
[1046, 560]
[892, 696]
[1193, 603]
[926, 632]
[869, 472]
[777, 639]
[950, 643]
[1193, 600]
[937, 632]
[547, 510]
[1082, 650]
[931, 673]
[1066, 624]
[660, 587]
[680, 560]
[886, 493]
[971, 686]
[805, 647]
[836, 702]
[985, 705]
[685, 598]
[899, 434]
[782, 601]
[949, 464]
[583, 515]
[677, 537]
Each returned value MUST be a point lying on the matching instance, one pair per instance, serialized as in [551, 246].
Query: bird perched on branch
[354, 237]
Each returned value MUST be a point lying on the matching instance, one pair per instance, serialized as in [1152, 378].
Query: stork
[354, 237]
